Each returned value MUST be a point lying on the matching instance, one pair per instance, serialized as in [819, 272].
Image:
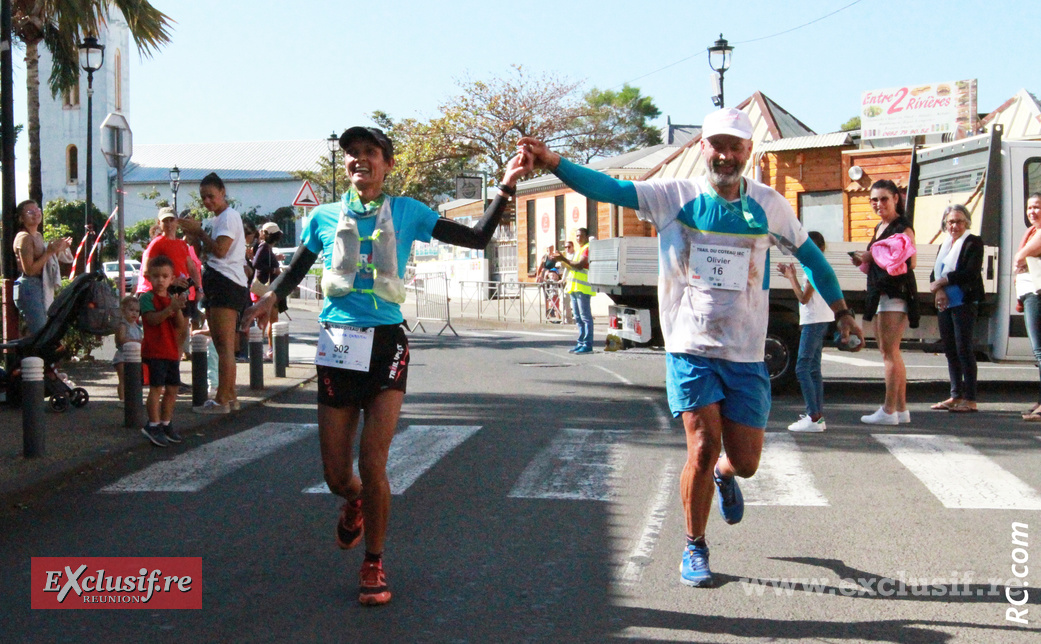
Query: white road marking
[664, 417]
[783, 478]
[959, 475]
[620, 377]
[537, 334]
[640, 557]
[194, 470]
[853, 362]
[579, 465]
[414, 451]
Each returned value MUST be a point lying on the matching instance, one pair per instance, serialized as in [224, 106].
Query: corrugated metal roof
[233, 160]
[628, 166]
[769, 122]
[459, 203]
[830, 140]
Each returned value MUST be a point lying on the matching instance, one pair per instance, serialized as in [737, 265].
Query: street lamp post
[175, 183]
[332, 143]
[92, 56]
[719, 61]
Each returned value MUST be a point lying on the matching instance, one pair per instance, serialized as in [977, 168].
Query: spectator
[38, 263]
[894, 298]
[815, 316]
[165, 331]
[548, 274]
[224, 281]
[578, 288]
[957, 286]
[185, 266]
[129, 330]
[265, 269]
[1027, 287]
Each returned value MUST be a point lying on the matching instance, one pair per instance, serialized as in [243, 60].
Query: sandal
[1032, 417]
[963, 408]
[946, 405]
[1036, 409]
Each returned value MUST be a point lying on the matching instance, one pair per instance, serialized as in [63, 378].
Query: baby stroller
[88, 299]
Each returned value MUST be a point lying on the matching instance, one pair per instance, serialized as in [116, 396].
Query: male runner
[713, 294]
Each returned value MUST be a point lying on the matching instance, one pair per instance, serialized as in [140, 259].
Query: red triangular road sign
[306, 196]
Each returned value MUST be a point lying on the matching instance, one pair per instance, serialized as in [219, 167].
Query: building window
[70, 98]
[532, 249]
[119, 81]
[72, 165]
[822, 211]
[592, 218]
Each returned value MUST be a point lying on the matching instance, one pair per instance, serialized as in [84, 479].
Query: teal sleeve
[597, 185]
[821, 275]
[146, 303]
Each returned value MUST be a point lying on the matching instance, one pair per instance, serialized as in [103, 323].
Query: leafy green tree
[63, 216]
[852, 124]
[613, 123]
[60, 25]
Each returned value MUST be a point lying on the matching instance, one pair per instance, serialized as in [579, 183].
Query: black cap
[373, 134]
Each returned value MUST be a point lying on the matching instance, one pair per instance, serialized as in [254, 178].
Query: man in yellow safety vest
[578, 288]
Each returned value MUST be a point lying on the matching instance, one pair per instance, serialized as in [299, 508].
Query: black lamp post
[92, 56]
[175, 183]
[332, 143]
[719, 61]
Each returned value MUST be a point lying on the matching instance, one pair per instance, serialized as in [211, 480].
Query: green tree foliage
[67, 217]
[613, 123]
[60, 26]
[852, 124]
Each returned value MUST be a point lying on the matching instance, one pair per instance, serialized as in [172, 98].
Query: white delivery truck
[993, 177]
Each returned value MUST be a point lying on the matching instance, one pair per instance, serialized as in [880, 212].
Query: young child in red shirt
[166, 329]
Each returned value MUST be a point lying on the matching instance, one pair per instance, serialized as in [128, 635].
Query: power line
[780, 33]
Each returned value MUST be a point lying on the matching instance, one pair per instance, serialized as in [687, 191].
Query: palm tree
[59, 25]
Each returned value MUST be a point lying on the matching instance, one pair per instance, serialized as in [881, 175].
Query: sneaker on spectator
[373, 590]
[155, 435]
[903, 417]
[212, 407]
[731, 501]
[694, 567]
[807, 424]
[350, 526]
[880, 417]
[170, 433]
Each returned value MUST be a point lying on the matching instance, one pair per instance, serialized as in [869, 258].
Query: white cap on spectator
[727, 121]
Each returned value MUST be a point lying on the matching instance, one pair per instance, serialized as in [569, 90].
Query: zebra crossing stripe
[414, 451]
[577, 465]
[782, 478]
[958, 475]
[194, 470]
[642, 553]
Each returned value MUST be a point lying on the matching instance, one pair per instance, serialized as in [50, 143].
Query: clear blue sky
[268, 70]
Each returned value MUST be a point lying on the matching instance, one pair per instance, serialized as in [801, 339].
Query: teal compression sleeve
[820, 272]
[597, 185]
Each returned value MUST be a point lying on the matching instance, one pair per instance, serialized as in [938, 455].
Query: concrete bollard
[133, 407]
[200, 385]
[33, 435]
[256, 358]
[280, 333]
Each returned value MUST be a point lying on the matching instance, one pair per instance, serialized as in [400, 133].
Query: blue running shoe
[583, 349]
[731, 502]
[694, 567]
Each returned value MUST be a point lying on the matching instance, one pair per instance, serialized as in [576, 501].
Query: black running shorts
[223, 293]
[163, 373]
[388, 369]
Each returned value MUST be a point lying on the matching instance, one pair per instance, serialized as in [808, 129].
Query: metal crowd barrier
[511, 301]
[431, 291]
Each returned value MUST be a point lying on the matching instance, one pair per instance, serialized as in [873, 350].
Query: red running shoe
[373, 591]
[350, 526]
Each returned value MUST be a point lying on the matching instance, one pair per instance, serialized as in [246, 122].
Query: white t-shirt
[232, 265]
[816, 310]
[723, 311]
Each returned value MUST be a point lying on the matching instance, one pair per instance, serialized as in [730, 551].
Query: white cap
[727, 121]
[271, 228]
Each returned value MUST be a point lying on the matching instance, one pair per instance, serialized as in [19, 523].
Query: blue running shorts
[741, 388]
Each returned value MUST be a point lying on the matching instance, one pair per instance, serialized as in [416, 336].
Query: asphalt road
[536, 500]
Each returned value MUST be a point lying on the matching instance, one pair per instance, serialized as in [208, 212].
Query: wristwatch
[844, 312]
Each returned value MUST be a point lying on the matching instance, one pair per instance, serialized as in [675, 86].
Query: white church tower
[63, 121]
